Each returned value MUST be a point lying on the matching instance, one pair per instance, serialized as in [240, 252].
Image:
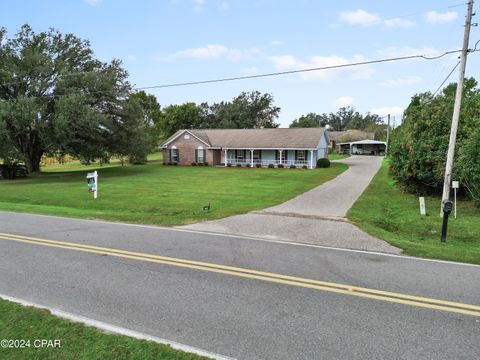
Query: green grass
[77, 341]
[388, 213]
[336, 156]
[157, 194]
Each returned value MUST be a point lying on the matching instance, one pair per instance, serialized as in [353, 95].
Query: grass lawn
[77, 341]
[157, 194]
[388, 213]
[336, 156]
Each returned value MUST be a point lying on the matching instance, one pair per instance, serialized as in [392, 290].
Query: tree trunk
[32, 160]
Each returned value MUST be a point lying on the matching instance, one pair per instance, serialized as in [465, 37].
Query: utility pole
[388, 135]
[456, 109]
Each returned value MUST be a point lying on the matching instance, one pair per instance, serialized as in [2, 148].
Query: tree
[177, 117]
[56, 97]
[310, 120]
[246, 111]
[419, 146]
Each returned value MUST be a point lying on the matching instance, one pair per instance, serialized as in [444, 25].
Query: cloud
[289, 62]
[399, 22]
[344, 101]
[402, 81]
[252, 70]
[392, 110]
[434, 17]
[359, 17]
[277, 43]
[213, 51]
[394, 51]
[93, 2]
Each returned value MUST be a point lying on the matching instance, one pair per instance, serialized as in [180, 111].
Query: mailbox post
[447, 209]
[92, 181]
[455, 185]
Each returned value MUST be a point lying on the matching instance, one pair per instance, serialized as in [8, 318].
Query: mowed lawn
[388, 213]
[158, 194]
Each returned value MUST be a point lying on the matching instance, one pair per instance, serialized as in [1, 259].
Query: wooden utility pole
[456, 108]
[388, 135]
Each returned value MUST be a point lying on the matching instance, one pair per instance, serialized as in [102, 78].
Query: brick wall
[186, 148]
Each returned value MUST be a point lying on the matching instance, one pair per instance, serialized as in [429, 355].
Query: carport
[368, 147]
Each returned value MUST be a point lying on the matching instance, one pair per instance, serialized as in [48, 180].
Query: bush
[293, 166]
[280, 166]
[229, 165]
[304, 167]
[271, 166]
[200, 164]
[247, 165]
[194, 164]
[258, 165]
[175, 163]
[239, 165]
[170, 163]
[164, 163]
[323, 163]
[13, 171]
[205, 163]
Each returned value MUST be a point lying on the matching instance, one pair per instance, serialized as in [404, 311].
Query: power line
[443, 82]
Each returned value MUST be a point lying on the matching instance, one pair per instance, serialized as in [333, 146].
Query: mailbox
[447, 209]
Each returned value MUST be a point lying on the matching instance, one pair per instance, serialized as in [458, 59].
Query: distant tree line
[418, 148]
[345, 118]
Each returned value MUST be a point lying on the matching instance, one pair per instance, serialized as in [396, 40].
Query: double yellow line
[343, 289]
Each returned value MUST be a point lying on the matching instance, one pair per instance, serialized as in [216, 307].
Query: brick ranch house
[230, 147]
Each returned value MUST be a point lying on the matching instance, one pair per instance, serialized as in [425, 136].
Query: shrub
[205, 163]
[175, 163]
[271, 166]
[194, 164]
[247, 165]
[280, 166]
[229, 165]
[258, 165]
[170, 163]
[293, 166]
[239, 165]
[164, 163]
[323, 163]
[200, 164]
[13, 171]
[304, 167]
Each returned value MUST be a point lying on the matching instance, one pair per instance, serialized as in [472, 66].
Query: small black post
[447, 209]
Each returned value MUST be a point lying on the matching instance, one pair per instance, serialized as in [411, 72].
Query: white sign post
[423, 211]
[455, 185]
[92, 181]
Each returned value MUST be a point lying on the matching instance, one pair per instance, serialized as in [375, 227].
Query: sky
[174, 41]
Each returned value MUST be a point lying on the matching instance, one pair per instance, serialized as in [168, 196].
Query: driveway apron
[315, 217]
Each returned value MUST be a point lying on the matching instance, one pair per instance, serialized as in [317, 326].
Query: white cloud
[289, 62]
[213, 51]
[394, 51]
[399, 22]
[392, 110]
[277, 42]
[434, 17]
[359, 17]
[252, 70]
[93, 2]
[405, 80]
[344, 101]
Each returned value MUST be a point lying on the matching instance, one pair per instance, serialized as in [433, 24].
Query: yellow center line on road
[344, 289]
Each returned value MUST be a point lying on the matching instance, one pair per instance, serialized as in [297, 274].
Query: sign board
[423, 211]
[92, 183]
[455, 184]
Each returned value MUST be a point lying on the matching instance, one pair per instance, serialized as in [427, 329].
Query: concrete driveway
[315, 217]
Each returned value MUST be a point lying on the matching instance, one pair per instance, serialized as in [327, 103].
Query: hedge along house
[247, 147]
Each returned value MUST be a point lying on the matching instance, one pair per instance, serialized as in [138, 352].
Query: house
[247, 147]
[364, 147]
[347, 136]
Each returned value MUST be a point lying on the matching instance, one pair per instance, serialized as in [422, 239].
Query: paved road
[315, 217]
[232, 312]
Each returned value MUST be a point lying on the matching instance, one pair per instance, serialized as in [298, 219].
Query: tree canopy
[56, 98]
[419, 146]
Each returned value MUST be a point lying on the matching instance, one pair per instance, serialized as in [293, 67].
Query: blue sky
[163, 42]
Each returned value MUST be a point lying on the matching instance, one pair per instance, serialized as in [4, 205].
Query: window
[284, 155]
[186, 136]
[300, 155]
[240, 154]
[200, 155]
[257, 155]
[174, 155]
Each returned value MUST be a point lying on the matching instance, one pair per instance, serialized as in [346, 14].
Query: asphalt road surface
[240, 297]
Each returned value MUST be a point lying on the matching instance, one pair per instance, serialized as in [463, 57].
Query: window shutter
[170, 155]
[296, 155]
[277, 155]
[286, 155]
[259, 154]
[196, 155]
[244, 155]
